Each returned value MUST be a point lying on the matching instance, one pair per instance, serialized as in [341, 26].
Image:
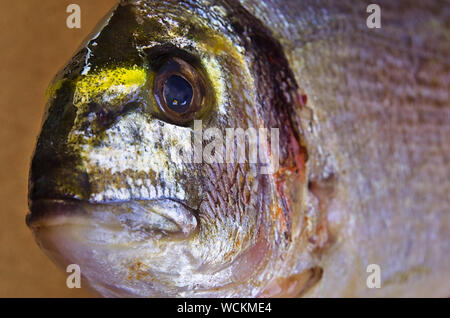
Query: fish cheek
[269, 98]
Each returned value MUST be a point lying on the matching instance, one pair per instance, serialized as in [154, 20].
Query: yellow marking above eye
[109, 85]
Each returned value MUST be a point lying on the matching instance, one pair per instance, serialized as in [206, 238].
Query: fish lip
[54, 212]
[41, 210]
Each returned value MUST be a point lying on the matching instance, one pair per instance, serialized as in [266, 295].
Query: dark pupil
[178, 93]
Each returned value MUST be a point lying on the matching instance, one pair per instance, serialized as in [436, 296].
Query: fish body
[132, 178]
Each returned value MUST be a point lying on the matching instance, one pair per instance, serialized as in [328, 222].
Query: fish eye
[179, 91]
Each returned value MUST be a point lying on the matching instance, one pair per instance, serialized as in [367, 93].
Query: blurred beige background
[35, 44]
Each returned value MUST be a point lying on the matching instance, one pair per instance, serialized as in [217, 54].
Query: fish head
[131, 178]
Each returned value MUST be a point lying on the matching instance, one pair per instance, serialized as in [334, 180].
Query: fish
[141, 173]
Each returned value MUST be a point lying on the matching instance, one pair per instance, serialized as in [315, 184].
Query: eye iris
[178, 93]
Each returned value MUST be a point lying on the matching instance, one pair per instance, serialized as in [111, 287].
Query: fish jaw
[100, 238]
[119, 258]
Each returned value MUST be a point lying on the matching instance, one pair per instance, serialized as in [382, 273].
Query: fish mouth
[108, 240]
[142, 219]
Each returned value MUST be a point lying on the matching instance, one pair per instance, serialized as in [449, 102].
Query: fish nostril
[102, 117]
[105, 116]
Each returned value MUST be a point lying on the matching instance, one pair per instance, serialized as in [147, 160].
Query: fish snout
[62, 192]
[55, 172]
[58, 182]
